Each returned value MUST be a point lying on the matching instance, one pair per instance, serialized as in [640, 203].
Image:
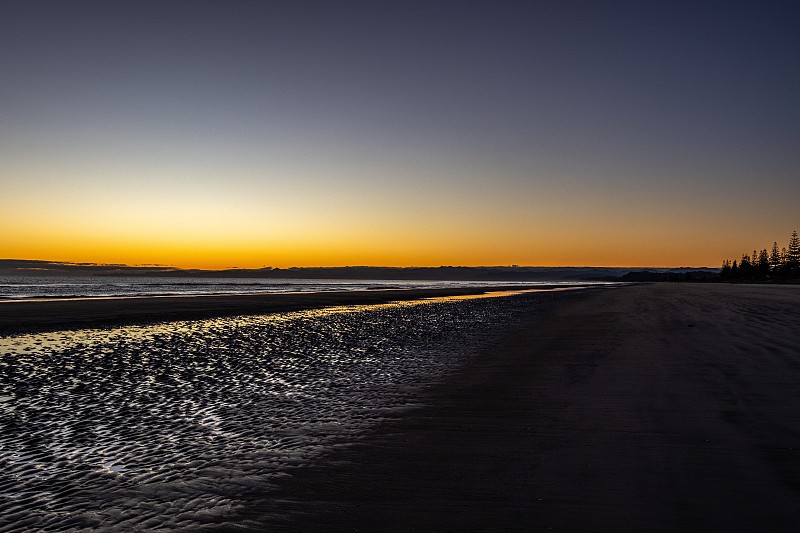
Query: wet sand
[177, 425]
[53, 315]
[652, 407]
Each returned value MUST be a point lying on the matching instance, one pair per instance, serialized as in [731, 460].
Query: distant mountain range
[26, 267]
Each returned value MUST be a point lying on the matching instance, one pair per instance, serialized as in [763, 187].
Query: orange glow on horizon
[218, 228]
[426, 240]
[340, 253]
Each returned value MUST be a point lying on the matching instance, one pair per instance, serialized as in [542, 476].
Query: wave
[27, 288]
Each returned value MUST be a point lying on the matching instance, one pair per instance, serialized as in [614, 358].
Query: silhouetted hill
[455, 273]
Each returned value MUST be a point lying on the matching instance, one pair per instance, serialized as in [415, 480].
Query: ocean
[52, 287]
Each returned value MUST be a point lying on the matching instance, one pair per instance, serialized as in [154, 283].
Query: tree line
[775, 265]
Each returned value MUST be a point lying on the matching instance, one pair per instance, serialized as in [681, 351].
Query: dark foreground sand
[656, 407]
[53, 315]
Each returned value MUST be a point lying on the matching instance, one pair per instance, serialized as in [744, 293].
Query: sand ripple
[173, 426]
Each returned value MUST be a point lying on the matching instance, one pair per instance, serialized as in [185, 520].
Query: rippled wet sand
[173, 425]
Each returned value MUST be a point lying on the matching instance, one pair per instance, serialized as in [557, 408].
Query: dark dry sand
[653, 407]
[53, 315]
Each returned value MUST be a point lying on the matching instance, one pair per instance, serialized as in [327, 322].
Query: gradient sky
[243, 133]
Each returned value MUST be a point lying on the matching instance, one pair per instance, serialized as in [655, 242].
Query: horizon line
[269, 267]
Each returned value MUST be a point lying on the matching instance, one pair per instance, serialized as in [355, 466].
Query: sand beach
[661, 406]
[653, 407]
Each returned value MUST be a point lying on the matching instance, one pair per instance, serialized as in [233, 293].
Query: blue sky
[289, 133]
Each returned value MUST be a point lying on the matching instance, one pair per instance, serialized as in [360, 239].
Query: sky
[248, 134]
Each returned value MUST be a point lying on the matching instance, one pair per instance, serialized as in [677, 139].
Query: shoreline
[174, 424]
[660, 406]
[39, 316]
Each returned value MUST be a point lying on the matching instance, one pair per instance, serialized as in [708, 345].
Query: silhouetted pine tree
[775, 261]
[763, 264]
[793, 254]
[745, 267]
[725, 273]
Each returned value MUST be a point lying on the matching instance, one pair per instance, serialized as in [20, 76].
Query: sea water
[52, 287]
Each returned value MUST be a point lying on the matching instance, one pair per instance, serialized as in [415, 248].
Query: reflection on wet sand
[172, 425]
